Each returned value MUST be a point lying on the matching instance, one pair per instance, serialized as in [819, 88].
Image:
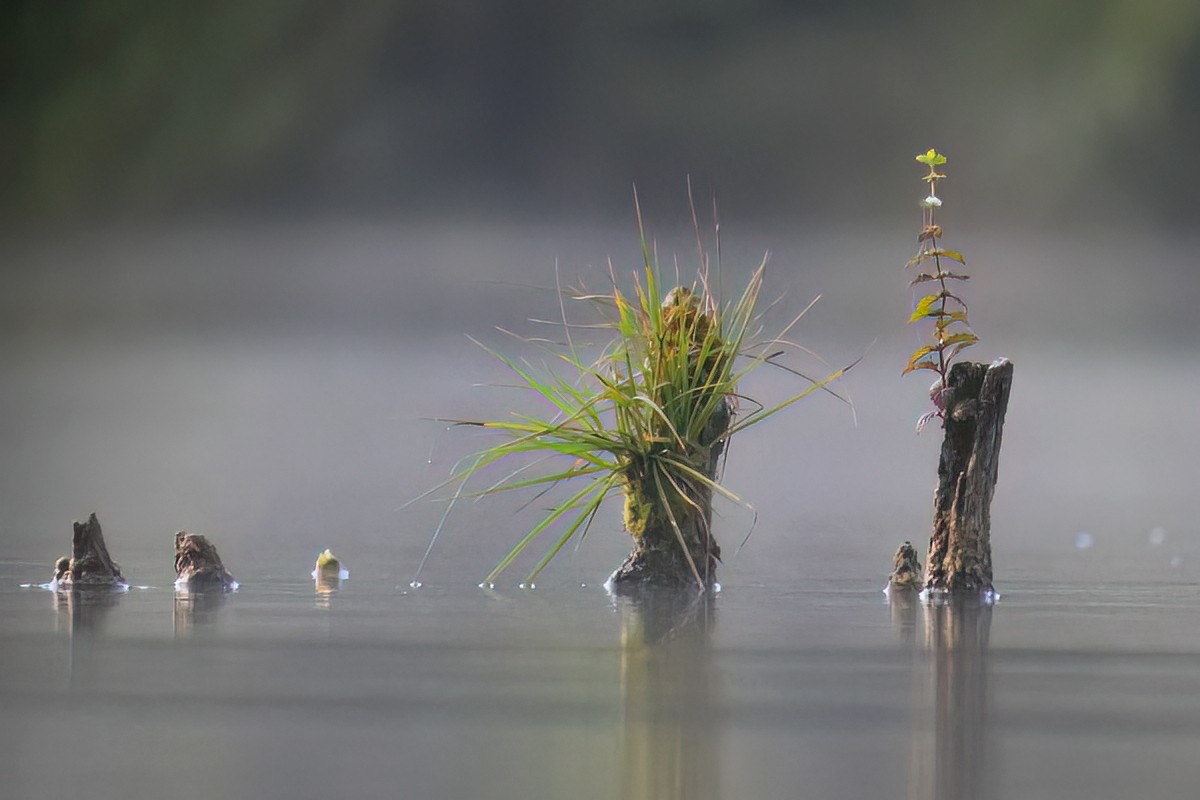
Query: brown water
[279, 410]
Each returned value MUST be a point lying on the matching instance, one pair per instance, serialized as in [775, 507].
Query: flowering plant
[951, 330]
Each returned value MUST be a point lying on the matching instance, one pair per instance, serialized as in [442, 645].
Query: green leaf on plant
[964, 338]
[933, 158]
[948, 318]
[925, 308]
[954, 254]
[917, 364]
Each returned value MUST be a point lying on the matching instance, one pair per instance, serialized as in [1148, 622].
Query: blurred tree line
[1048, 108]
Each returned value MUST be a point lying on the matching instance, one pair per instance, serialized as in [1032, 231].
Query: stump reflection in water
[951, 696]
[196, 610]
[83, 609]
[81, 612]
[669, 747]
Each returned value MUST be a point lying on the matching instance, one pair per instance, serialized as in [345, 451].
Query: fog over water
[242, 262]
[272, 378]
[273, 387]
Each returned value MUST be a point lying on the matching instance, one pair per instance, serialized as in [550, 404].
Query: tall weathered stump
[90, 564]
[960, 550]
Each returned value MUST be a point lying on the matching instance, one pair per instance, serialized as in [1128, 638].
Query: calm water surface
[828, 692]
[177, 407]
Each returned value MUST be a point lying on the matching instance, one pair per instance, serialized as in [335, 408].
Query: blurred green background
[1057, 111]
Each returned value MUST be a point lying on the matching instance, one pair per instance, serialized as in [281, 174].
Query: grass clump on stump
[971, 400]
[648, 420]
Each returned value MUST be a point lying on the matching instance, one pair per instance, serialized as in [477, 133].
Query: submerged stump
[673, 546]
[198, 568]
[906, 568]
[668, 505]
[89, 564]
[960, 550]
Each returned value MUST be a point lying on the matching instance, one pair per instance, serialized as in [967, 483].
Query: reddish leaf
[926, 419]
[955, 298]
[924, 255]
[958, 349]
[948, 318]
[921, 360]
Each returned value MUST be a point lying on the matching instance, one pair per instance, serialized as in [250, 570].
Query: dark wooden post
[960, 550]
[89, 564]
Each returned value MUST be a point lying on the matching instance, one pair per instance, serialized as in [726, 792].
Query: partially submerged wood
[673, 546]
[906, 569]
[960, 550]
[198, 568]
[89, 564]
[668, 510]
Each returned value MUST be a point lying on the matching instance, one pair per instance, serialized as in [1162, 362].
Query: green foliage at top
[932, 159]
[951, 332]
[647, 412]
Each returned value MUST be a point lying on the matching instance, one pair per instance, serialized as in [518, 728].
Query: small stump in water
[89, 566]
[906, 569]
[329, 573]
[960, 550]
[198, 568]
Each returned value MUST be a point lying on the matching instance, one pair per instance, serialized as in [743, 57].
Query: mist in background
[242, 243]
[1051, 111]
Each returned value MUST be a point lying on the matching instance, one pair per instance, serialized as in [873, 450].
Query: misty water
[275, 388]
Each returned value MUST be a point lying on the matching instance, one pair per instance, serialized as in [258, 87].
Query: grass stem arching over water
[647, 419]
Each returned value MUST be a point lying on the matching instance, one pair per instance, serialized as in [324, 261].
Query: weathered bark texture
[658, 560]
[198, 568]
[960, 550]
[89, 564]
